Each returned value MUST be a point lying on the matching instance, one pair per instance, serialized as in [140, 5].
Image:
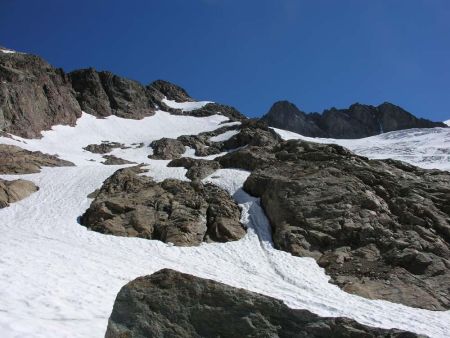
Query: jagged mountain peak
[356, 121]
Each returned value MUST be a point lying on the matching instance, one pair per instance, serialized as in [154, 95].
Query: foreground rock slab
[172, 304]
[15, 160]
[172, 211]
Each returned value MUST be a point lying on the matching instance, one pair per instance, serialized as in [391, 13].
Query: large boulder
[381, 229]
[172, 304]
[167, 149]
[171, 211]
[15, 160]
[16, 190]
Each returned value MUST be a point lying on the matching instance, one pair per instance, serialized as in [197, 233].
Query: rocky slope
[172, 211]
[354, 122]
[172, 304]
[381, 229]
[34, 96]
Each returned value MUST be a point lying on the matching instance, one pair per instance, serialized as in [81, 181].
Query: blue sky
[248, 54]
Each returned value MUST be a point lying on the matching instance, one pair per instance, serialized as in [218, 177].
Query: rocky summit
[172, 304]
[172, 211]
[357, 121]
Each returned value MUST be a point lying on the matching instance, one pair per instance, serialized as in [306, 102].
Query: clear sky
[248, 54]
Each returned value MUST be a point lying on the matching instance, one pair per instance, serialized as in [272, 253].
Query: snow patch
[185, 106]
[428, 148]
[225, 136]
[447, 122]
[8, 51]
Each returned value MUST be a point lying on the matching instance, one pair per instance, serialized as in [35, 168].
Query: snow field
[58, 279]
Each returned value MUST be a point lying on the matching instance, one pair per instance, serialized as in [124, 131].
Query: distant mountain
[357, 121]
[447, 122]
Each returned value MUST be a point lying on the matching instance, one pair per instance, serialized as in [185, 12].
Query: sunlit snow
[57, 279]
[185, 106]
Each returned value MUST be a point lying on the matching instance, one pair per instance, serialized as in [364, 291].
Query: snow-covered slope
[426, 148]
[57, 279]
[447, 122]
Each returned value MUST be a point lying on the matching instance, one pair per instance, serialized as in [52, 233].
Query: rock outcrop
[172, 211]
[167, 149]
[14, 191]
[114, 160]
[34, 96]
[15, 160]
[197, 169]
[172, 304]
[354, 122]
[104, 147]
[381, 229]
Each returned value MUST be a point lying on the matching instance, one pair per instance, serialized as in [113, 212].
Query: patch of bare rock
[15, 160]
[104, 147]
[172, 211]
[14, 191]
[172, 304]
[114, 160]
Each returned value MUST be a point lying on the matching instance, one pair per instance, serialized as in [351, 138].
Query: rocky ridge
[357, 121]
[34, 96]
[172, 304]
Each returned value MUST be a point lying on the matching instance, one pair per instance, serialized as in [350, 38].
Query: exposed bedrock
[15, 160]
[174, 211]
[381, 229]
[14, 191]
[197, 169]
[172, 304]
[34, 96]
[167, 149]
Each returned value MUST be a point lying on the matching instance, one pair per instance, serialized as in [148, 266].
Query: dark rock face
[198, 169]
[172, 304]
[15, 160]
[34, 96]
[103, 94]
[167, 149]
[252, 133]
[172, 211]
[381, 229]
[104, 147]
[171, 91]
[355, 122]
[16, 190]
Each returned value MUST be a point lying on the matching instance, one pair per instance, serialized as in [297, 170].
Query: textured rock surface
[15, 160]
[114, 160]
[354, 122]
[16, 190]
[104, 147]
[167, 149]
[103, 94]
[172, 304]
[197, 169]
[171, 211]
[34, 95]
[381, 229]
